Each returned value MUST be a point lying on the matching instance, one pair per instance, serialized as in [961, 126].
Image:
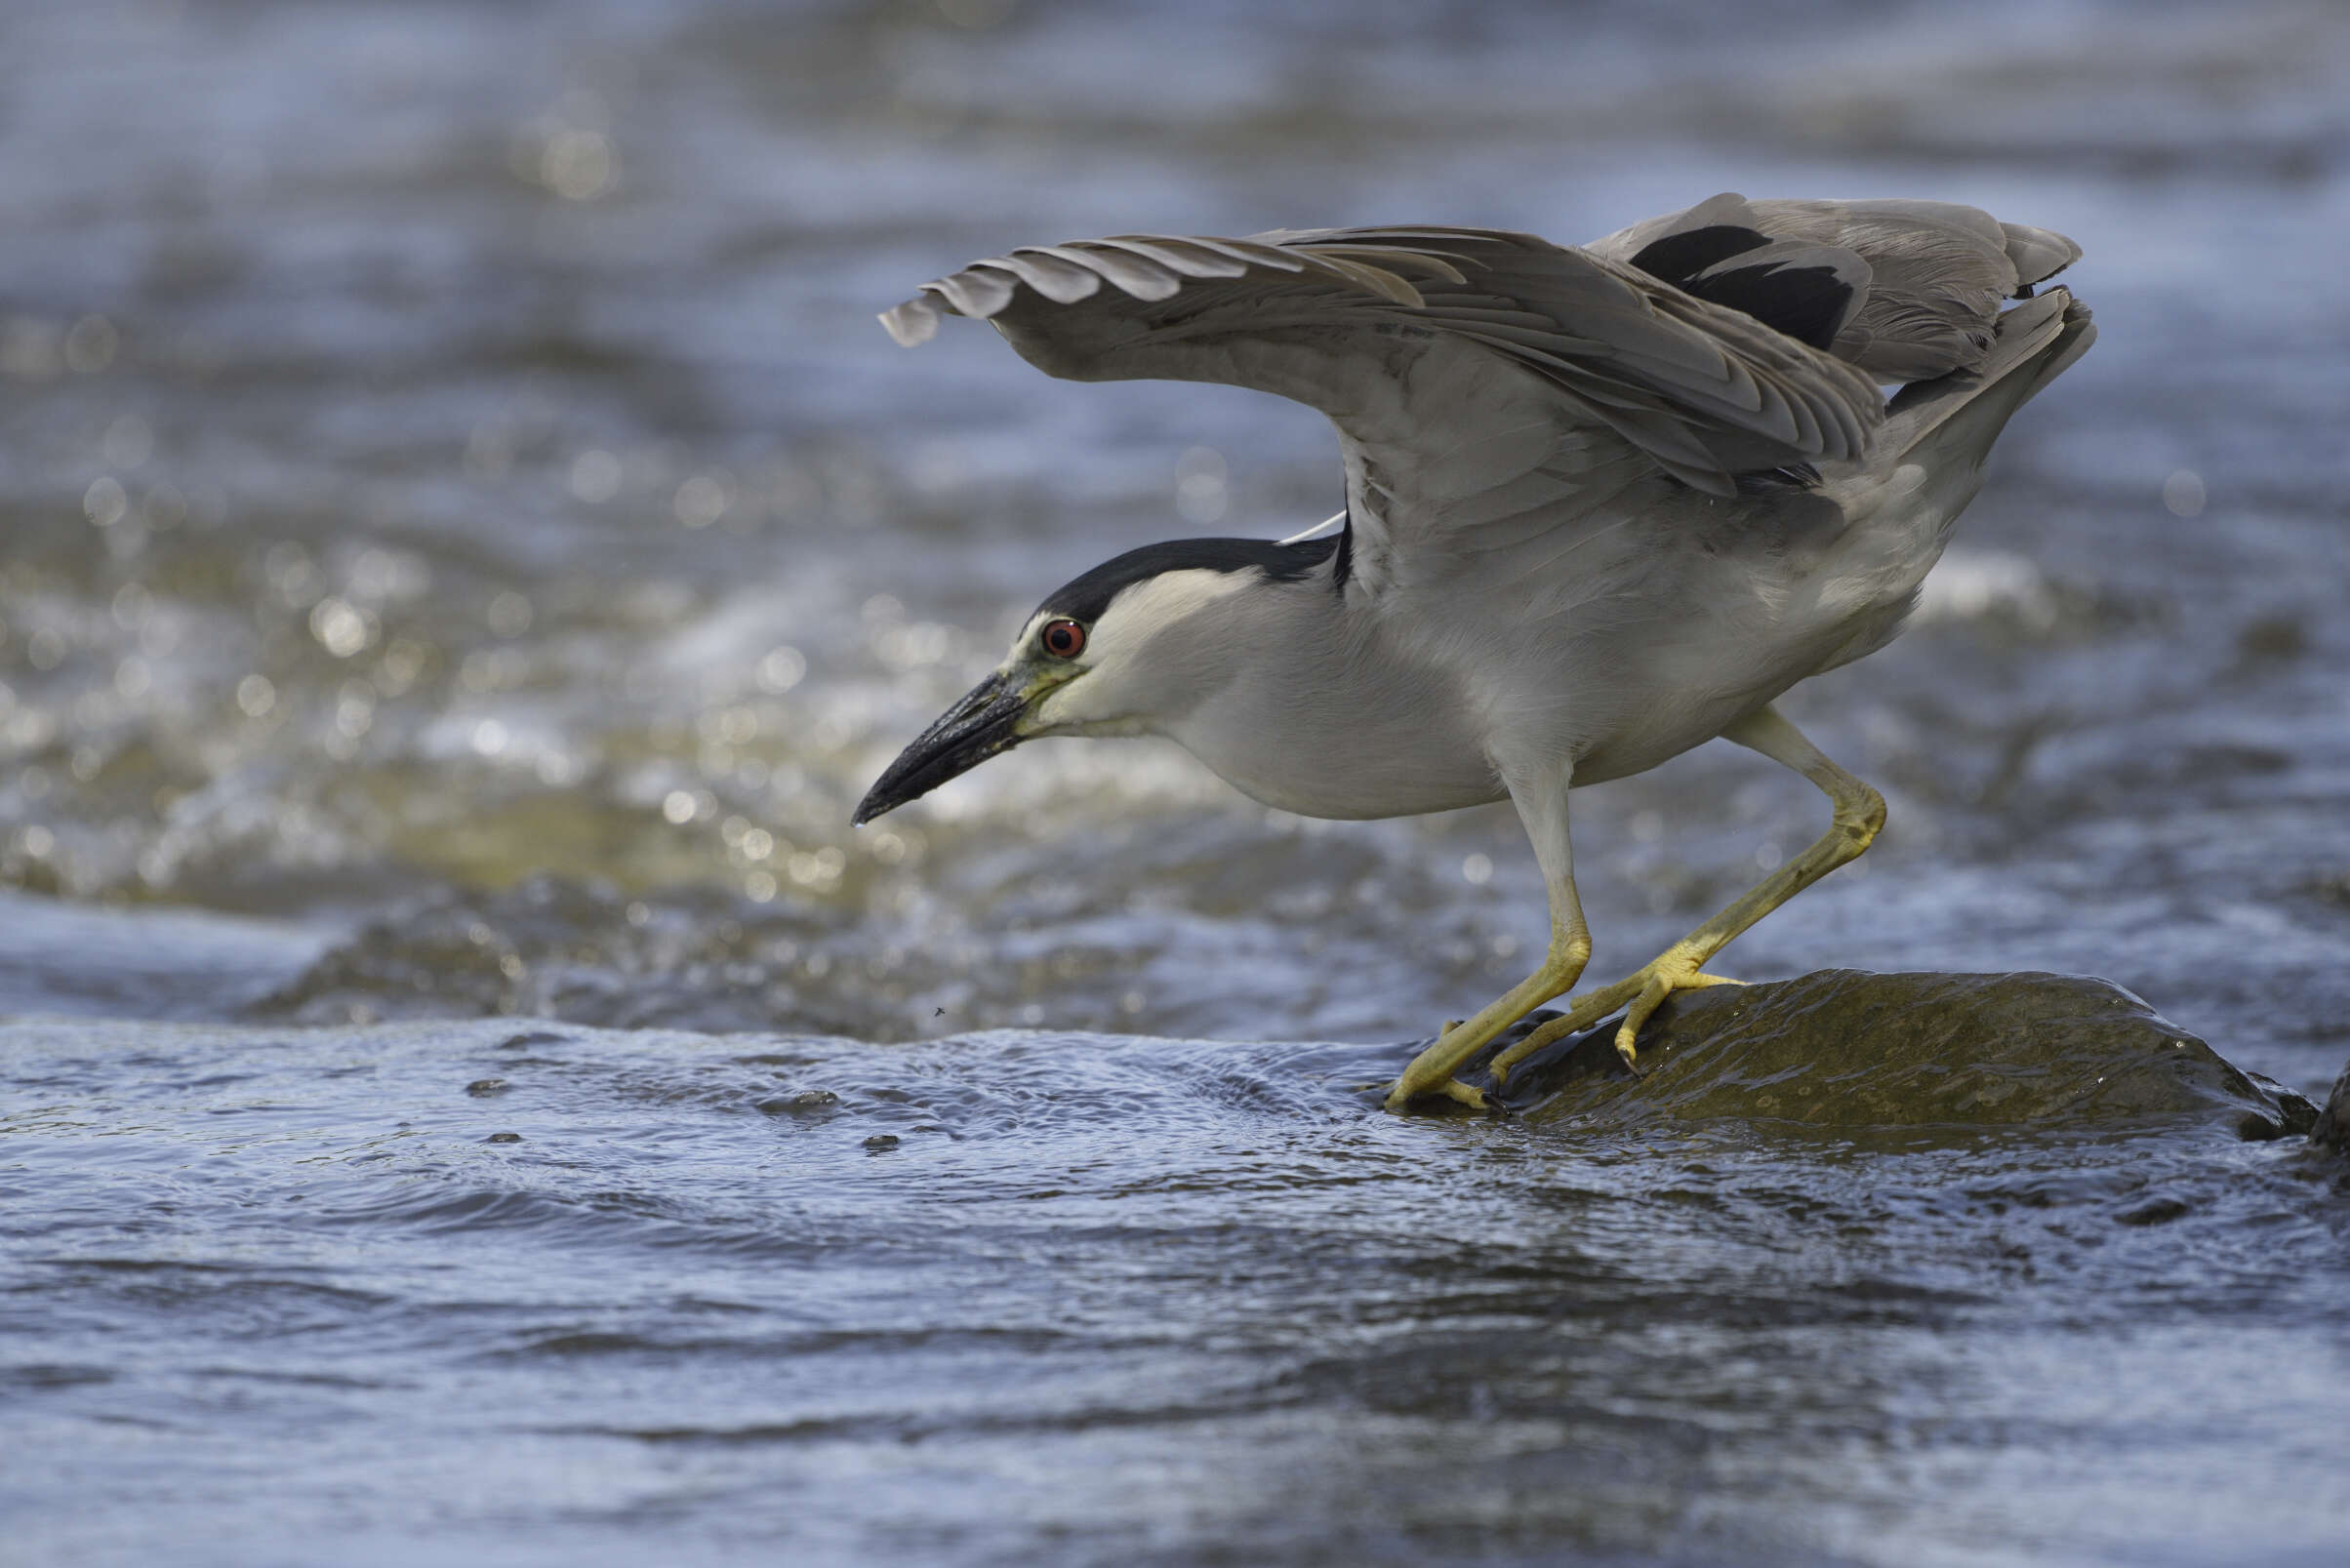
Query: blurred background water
[465, 546]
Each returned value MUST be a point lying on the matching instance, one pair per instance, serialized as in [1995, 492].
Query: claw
[1644, 991]
[1652, 997]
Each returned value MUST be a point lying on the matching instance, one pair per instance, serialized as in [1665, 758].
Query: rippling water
[465, 546]
[528, 1293]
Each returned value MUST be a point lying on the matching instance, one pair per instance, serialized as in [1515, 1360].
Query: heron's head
[1126, 649]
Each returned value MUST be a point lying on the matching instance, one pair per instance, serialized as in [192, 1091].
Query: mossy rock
[1840, 1049]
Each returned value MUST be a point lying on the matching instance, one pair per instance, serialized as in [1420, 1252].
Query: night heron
[1602, 503]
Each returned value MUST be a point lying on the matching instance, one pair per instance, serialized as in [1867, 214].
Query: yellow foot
[1398, 1095]
[1434, 1071]
[1454, 1089]
[1642, 991]
[1663, 978]
[1410, 1087]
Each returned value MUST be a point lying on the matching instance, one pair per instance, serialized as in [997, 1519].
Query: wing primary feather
[978, 291]
[1251, 253]
[910, 324]
[1137, 275]
[1390, 258]
[1370, 279]
[1181, 256]
[1056, 277]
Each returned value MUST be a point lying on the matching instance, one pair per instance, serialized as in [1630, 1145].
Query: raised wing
[1473, 375]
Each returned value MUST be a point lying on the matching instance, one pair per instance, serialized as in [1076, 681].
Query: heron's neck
[1315, 712]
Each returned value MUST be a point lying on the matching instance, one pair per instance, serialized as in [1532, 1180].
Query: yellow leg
[1540, 801]
[1859, 812]
[1431, 1071]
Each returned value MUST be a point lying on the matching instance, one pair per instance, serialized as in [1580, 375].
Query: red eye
[1063, 639]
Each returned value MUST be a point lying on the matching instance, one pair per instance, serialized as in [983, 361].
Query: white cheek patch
[1150, 607]
[1115, 676]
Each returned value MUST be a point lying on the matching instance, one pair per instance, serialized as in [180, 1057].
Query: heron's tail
[1949, 423]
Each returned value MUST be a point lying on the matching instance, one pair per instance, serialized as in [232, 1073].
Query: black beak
[965, 735]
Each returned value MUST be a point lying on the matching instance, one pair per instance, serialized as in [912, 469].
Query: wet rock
[487, 1088]
[2158, 1211]
[2332, 1126]
[801, 1103]
[1842, 1049]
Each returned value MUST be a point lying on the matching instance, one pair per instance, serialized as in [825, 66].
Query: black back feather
[1807, 303]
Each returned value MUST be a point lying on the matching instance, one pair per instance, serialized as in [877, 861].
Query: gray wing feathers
[1347, 320]
[1938, 270]
[2038, 253]
[1144, 267]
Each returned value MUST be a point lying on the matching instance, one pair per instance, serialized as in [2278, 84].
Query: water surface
[534, 1293]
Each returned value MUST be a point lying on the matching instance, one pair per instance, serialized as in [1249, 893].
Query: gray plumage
[1602, 503]
[1938, 272]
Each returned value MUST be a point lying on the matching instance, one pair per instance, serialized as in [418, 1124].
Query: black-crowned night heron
[1602, 505]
